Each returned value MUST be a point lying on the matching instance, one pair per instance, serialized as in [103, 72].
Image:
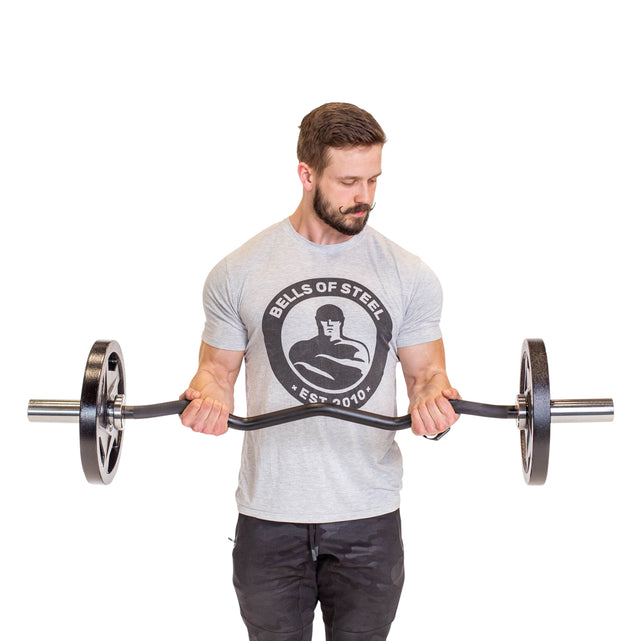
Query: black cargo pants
[355, 569]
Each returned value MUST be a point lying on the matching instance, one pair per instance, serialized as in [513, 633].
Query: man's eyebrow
[358, 177]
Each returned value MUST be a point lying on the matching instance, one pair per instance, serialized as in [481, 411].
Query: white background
[143, 141]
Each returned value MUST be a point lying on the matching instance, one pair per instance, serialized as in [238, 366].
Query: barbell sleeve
[589, 410]
[48, 411]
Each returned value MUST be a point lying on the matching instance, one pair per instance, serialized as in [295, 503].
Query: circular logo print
[327, 340]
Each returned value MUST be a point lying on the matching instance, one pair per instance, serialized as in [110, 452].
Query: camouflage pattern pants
[355, 569]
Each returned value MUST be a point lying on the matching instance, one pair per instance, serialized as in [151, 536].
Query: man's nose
[364, 194]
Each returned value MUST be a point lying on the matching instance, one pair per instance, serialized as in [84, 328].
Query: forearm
[211, 390]
[428, 387]
[212, 385]
[424, 369]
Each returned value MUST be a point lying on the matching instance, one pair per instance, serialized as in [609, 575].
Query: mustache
[357, 209]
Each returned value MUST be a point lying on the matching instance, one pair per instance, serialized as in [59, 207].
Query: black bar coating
[320, 409]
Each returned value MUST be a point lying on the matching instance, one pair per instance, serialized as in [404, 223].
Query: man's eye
[348, 183]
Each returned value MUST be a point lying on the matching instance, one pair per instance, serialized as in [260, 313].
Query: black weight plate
[536, 434]
[100, 441]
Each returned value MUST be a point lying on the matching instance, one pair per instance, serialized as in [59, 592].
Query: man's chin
[357, 222]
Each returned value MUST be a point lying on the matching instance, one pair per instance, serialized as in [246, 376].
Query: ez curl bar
[101, 412]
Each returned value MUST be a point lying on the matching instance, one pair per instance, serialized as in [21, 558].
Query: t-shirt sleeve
[422, 314]
[223, 327]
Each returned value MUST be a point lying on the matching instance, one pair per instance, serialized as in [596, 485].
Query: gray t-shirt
[320, 323]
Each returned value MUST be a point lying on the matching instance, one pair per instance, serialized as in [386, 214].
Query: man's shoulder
[265, 237]
[249, 252]
[410, 268]
[385, 245]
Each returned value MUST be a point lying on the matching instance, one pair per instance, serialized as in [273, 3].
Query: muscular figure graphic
[330, 360]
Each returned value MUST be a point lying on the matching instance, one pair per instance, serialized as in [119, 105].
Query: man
[319, 498]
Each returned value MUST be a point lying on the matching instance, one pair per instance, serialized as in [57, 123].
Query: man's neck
[305, 221]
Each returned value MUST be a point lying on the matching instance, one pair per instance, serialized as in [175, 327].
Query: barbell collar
[116, 412]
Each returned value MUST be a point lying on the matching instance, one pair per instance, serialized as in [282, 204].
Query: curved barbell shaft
[320, 409]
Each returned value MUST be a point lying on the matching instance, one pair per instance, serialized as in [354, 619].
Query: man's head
[339, 153]
[336, 125]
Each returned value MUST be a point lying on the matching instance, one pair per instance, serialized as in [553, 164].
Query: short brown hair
[335, 125]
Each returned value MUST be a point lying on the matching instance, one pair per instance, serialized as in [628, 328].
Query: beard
[337, 219]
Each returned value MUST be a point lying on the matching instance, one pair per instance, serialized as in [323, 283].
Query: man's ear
[307, 176]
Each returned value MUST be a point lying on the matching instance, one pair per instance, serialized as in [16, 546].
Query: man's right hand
[205, 414]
